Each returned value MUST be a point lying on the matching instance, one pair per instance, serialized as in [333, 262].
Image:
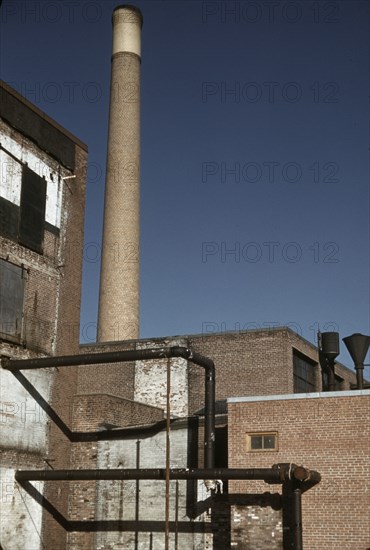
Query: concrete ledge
[290, 396]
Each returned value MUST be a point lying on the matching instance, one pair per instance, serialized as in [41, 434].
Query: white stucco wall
[20, 514]
[119, 500]
[151, 380]
[23, 423]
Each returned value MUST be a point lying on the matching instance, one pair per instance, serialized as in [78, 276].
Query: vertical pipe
[331, 375]
[118, 317]
[360, 376]
[137, 501]
[297, 517]
[209, 428]
[168, 457]
[177, 517]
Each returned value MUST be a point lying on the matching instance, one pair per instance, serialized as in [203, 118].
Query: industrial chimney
[118, 317]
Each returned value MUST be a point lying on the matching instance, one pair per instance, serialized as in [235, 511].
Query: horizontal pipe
[150, 473]
[275, 473]
[107, 357]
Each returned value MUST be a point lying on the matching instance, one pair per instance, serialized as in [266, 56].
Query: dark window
[262, 441]
[9, 219]
[304, 374]
[11, 301]
[221, 453]
[32, 215]
[25, 223]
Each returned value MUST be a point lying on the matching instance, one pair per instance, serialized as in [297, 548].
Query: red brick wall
[90, 411]
[52, 305]
[327, 434]
[114, 378]
[67, 342]
[247, 363]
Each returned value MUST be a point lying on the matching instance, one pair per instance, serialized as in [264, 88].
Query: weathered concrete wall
[43, 165]
[51, 306]
[142, 503]
[151, 379]
[42, 273]
[22, 421]
[257, 527]
[24, 443]
[20, 515]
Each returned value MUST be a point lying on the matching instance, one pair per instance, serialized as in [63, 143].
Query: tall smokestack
[119, 279]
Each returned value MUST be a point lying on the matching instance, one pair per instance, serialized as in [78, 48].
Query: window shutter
[32, 218]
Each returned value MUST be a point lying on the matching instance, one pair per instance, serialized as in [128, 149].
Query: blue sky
[255, 179]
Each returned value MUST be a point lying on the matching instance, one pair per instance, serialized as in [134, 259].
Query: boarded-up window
[32, 215]
[11, 301]
[22, 204]
[9, 219]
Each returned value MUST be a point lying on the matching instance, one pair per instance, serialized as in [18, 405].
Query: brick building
[326, 431]
[283, 370]
[41, 240]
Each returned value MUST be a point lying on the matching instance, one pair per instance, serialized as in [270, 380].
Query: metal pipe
[278, 473]
[177, 516]
[209, 419]
[137, 493]
[360, 376]
[121, 356]
[331, 375]
[137, 355]
[297, 518]
[168, 458]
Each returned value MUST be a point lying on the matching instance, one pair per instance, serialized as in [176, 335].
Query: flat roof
[290, 396]
[42, 114]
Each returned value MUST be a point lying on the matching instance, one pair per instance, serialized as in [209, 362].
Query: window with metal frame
[304, 374]
[262, 441]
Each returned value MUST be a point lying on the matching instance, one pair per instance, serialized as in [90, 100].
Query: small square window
[262, 441]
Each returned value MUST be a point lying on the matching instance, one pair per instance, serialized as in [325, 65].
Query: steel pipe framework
[279, 473]
[14, 365]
